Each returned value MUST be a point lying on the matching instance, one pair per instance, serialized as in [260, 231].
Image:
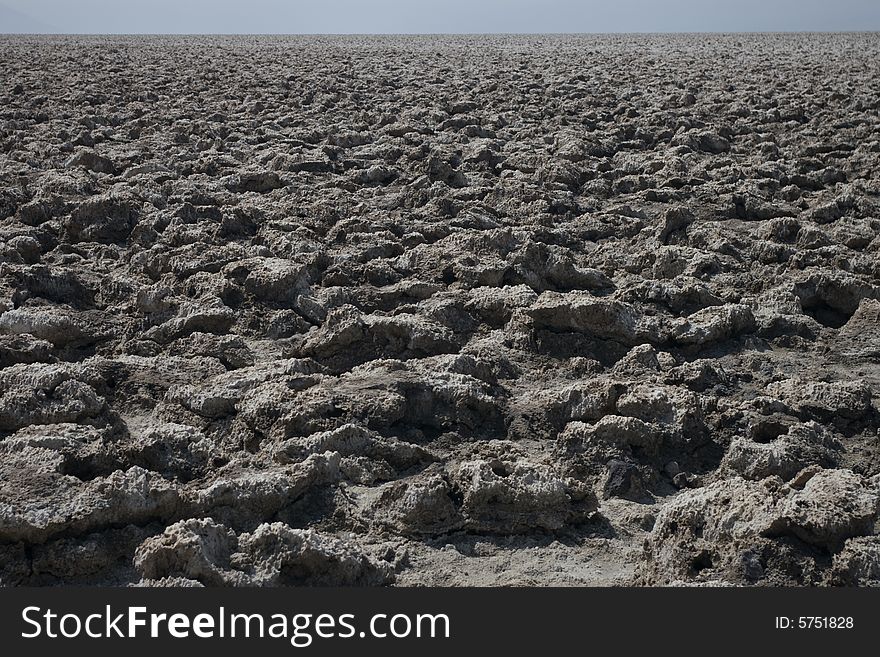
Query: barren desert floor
[551, 310]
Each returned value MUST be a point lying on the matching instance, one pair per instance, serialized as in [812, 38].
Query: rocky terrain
[440, 310]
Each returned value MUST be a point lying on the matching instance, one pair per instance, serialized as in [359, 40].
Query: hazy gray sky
[394, 16]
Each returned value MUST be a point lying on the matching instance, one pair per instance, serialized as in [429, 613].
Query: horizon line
[552, 33]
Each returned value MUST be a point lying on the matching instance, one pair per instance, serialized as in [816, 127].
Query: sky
[434, 16]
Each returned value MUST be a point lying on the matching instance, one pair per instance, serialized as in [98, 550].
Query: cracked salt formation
[421, 310]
